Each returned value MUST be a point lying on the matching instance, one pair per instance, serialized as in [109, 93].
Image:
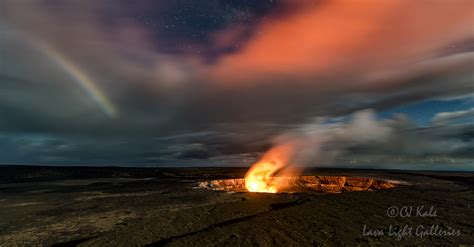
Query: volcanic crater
[325, 184]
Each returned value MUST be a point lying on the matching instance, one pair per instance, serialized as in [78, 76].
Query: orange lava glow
[261, 176]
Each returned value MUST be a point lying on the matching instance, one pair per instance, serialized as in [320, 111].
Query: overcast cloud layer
[217, 82]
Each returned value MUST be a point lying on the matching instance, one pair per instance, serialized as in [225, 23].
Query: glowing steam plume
[261, 177]
[304, 146]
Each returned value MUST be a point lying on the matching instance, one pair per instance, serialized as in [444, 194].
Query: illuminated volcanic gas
[275, 172]
[261, 175]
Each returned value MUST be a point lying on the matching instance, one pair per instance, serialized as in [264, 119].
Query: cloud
[392, 142]
[259, 72]
[444, 117]
[359, 141]
[347, 37]
[299, 56]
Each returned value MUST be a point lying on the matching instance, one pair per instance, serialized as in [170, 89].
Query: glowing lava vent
[261, 176]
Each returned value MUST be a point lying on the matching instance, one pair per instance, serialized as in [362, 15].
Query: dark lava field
[110, 206]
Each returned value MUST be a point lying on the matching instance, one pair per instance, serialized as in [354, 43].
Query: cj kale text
[406, 231]
[411, 211]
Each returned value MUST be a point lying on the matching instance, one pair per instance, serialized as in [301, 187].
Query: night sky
[365, 84]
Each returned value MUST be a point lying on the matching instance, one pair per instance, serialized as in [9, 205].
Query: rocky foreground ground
[156, 207]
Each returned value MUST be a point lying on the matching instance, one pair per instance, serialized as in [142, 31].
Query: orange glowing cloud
[345, 35]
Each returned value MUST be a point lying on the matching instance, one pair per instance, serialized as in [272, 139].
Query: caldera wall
[326, 184]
